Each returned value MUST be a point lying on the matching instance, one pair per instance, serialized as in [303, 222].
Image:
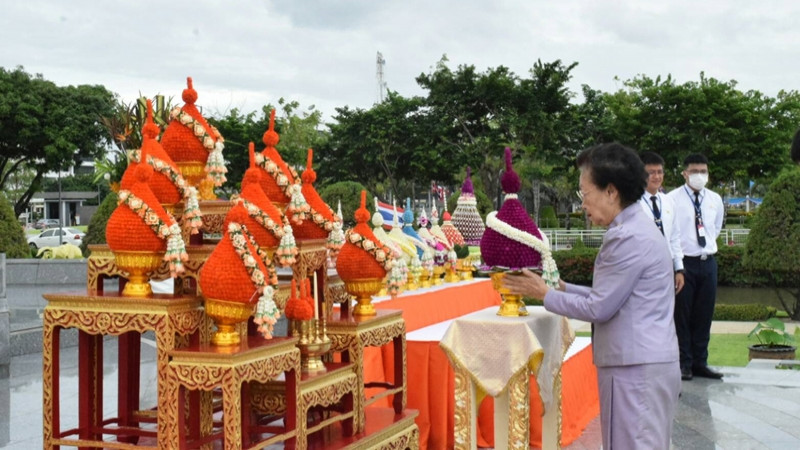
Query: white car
[50, 238]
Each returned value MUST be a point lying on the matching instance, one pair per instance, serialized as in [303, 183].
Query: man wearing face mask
[700, 214]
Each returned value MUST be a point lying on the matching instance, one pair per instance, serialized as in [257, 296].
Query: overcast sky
[247, 53]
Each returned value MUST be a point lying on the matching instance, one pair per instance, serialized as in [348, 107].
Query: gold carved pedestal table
[207, 367]
[494, 355]
[351, 334]
[173, 318]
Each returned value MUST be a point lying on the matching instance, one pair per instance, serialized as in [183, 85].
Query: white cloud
[247, 53]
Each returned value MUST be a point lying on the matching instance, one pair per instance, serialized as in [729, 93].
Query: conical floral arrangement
[298, 307]
[236, 281]
[512, 239]
[449, 230]
[466, 216]
[192, 143]
[323, 223]
[266, 223]
[281, 182]
[363, 255]
[167, 183]
[140, 225]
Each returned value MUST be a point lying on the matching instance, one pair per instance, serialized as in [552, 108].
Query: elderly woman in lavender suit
[630, 304]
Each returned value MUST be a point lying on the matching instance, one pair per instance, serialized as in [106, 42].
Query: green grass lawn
[723, 350]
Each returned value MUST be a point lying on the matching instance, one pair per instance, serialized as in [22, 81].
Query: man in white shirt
[700, 215]
[660, 207]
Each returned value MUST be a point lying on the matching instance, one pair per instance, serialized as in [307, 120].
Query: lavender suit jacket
[631, 299]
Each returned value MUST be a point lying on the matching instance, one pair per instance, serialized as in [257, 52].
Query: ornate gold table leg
[516, 417]
[50, 400]
[232, 413]
[551, 420]
[465, 426]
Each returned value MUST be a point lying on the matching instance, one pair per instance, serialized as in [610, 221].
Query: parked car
[41, 224]
[50, 238]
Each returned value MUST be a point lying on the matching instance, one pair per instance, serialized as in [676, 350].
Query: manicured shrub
[547, 217]
[773, 245]
[12, 237]
[96, 231]
[751, 312]
[349, 192]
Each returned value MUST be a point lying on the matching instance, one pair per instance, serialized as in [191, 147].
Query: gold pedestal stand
[138, 264]
[363, 289]
[425, 278]
[451, 276]
[194, 172]
[512, 305]
[313, 343]
[465, 268]
[438, 271]
[226, 316]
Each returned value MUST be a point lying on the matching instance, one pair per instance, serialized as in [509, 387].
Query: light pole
[60, 212]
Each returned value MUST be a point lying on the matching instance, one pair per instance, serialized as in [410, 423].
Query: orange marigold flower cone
[224, 276]
[262, 206]
[298, 308]
[127, 231]
[268, 183]
[322, 216]
[354, 262]
[180, 141]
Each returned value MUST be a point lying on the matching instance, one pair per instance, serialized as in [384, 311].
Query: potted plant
[774, 342]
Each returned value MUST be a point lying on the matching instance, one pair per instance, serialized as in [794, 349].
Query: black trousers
[694, 309]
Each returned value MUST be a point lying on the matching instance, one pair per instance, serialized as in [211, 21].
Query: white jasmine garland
[549, 269]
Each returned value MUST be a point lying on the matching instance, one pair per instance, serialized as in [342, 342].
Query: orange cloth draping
[421, 308]
[433, 305]
[430, 378]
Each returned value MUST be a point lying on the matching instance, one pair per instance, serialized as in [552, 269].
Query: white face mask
[697, 181]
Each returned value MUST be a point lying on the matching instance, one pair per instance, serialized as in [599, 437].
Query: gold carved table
[494, 355]
[351, 334]
[173, 318]
[206, 367]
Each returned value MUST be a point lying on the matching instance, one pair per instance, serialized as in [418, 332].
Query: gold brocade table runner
[498, 354]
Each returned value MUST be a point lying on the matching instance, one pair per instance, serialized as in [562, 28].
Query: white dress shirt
[713, 212]
[669, 221]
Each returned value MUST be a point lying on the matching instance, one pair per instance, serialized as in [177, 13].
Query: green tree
[12, 238]
[44, 127]
[382, 145]
[743, 134]
[349, 193]
[773, 245]
[298, 130]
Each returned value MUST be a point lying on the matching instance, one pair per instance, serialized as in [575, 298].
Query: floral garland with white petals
[335, 239]
[267, 313]
[298, 206]
[176, 249]
[287, 248]
[191, 208]
[398, 277]
[215, 164]
[549, 270]
[379, 252]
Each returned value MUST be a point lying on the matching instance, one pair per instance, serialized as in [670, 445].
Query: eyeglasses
[582, 195]
[695, 171]
[655, 172]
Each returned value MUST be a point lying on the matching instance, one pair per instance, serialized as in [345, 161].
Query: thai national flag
[388, 214]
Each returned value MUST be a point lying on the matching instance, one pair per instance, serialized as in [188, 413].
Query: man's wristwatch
[679, 271]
